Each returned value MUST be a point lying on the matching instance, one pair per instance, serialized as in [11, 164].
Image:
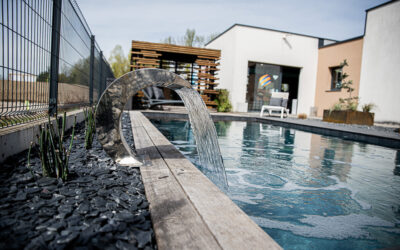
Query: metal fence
[49, 59]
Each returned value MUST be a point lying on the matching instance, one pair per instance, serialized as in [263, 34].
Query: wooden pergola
[198, 66]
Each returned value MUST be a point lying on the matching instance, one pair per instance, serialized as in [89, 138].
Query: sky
[116, 22]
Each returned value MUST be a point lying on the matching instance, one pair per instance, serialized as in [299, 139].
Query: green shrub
[368, 107]
[337, 106]
[223, 103]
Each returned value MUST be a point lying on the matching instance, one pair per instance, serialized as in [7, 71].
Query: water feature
[307, 191]
[206, 137]
[111, 105]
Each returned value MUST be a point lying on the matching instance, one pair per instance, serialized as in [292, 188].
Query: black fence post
[55, 53]
[101, 82]
[91, 76]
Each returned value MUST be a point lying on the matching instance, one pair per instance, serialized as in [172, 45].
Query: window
[336, 82]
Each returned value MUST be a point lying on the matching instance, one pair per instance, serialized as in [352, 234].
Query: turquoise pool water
[307, 191]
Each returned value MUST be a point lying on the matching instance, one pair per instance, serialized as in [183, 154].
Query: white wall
[242, 44]
[380, 65]
[226, 43]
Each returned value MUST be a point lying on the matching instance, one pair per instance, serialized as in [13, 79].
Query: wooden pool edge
[188, 211]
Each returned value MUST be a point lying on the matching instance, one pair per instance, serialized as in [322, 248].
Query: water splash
[206, 137]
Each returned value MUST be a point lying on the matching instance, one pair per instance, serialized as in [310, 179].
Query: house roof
[262, 28]
[381, 5]
[335, 41]
[344, 41]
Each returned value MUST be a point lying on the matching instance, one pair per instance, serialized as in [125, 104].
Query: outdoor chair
[278, 102]
[155, 96]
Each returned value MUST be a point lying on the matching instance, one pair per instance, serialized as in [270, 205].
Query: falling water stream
[205, 135]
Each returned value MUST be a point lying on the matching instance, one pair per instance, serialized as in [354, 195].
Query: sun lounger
[278, 102]
[155, 96]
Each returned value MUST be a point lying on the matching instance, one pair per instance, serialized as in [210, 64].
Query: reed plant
[90, 126]
[29, 161]
[53, 153]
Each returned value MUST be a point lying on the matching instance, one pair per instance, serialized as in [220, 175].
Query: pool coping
[322, 128]
[188, 211]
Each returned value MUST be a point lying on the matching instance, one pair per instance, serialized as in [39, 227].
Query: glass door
[263, 79]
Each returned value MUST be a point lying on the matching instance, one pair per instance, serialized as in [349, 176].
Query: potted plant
[345, 111]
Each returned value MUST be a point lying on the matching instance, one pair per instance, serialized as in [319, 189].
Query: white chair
[278, 102]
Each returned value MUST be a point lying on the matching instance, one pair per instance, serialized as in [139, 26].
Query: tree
[119, 62]
[78, 73]
[169, 40]
[210, 37]
[43, 76]
[350, 103]
[190, 39]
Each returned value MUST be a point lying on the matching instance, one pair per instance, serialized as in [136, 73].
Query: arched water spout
[112, 102]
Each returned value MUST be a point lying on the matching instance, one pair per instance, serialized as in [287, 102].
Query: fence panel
[24, 56]
[26, 65]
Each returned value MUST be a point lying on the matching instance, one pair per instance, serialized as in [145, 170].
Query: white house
[380, 65]
[22, 77]
[287, 61]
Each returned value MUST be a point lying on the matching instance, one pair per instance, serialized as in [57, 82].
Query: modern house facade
[248, 52]
[306, 66]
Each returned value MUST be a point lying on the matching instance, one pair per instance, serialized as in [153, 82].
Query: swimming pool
[307, 191]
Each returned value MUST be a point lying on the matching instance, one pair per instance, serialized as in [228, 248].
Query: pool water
[307, 191]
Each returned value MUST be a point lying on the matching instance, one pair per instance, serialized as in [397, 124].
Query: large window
[263, 79]
[336, 82]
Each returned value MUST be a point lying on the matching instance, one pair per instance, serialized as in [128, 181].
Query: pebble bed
[101, 206]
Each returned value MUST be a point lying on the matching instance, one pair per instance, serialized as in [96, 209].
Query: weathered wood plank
[176, 222]
[231, 227]
[147, 54]
[160, 47]
[210, 91]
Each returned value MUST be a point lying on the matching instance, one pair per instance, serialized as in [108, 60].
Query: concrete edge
[16, 139]
[384, 141]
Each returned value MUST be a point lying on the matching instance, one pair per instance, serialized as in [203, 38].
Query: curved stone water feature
[111, 105]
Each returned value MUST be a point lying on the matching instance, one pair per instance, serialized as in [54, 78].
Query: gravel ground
[101, 206]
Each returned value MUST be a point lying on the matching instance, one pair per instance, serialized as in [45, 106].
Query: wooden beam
[206, 57]
[207, 68]
[176, 223]
[154, 55]
[171, 48]
[206, 63]
[210, 103]
[204, 83]
[210, 91]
